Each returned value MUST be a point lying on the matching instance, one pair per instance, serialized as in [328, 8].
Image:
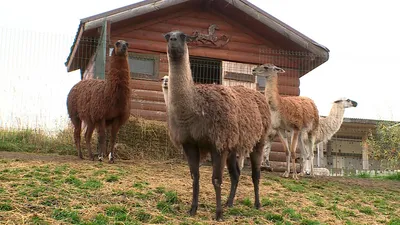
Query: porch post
[365, 162]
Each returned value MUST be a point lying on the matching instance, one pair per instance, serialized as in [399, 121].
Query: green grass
[395, 176]
[112, 178]
[66, 216]
[5, 207]
[77, 192]
[28, 140]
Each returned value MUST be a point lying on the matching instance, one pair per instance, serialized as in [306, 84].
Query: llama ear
[279, 70]
[167, 36]
[127, 44]
[337, 101]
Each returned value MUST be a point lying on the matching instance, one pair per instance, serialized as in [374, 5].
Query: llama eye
[117, 44]
[183, 37]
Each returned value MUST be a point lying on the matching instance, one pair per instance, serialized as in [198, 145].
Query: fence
[35, 81]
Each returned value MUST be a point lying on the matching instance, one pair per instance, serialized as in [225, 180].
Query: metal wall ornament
[208, 40]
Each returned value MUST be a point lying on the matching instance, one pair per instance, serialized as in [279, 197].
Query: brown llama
[102, 104]
[216, 119]
[288, 113]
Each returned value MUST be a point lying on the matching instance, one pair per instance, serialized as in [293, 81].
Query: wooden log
[145, 85]
[277, 156]
[228, 52]
[281, 166]
[155, 96]
[146, 105]
[277, 146]
[150, 115]
[289, 90]
[167, 27]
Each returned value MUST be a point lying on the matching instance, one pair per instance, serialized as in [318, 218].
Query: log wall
[240, 55]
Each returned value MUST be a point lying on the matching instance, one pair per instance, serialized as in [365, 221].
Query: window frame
[156, 65]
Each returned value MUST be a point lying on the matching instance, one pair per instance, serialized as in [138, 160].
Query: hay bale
[146, 139]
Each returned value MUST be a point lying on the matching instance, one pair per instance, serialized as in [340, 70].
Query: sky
[362, 36]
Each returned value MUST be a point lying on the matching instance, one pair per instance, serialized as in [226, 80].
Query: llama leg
[218, 161]
[234, 173]
[101, 130]
[193, 156]
[77, 135]
[312, 147]
[88, 136]
[293, 152]
[285, 143]
[265, 165]
[240, 161]
[303, 153]
[256, 157]
[114, 132]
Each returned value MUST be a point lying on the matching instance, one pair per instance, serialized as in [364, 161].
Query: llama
[223, 121]
[102, 103]
[164, 86]
[290, 113]
[327, 127]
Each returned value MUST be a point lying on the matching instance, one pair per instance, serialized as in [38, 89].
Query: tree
[384, 144]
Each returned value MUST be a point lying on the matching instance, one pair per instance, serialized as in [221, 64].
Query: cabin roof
[228, 7]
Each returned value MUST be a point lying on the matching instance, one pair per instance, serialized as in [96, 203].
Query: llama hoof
[193, 211]
[301, 174]
[286, 174]
[219, 217]
[295, 177]
[257, 205]
[111, 161]
[229, 204]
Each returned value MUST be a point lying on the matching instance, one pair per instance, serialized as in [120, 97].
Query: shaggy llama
[290, 113]
[327, 127]
[220, 120]
[102, 103]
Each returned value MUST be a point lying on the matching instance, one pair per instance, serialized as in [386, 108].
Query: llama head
[347, 103]
[177, 45]
[267, 70]
[164, 83]
[121, 48]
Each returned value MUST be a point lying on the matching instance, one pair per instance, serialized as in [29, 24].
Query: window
[261, 83]
[143, 66]
[206, 71]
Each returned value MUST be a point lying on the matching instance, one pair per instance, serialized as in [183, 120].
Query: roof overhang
[148, 6]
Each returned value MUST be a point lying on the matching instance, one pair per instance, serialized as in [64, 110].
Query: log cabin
[228, 38]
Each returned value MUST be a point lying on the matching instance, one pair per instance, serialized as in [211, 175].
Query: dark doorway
[206, 71]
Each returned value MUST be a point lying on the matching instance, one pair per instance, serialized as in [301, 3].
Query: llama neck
[335, 117]
[181, 85]
[272, 92]
[165, 92]
[117, 80]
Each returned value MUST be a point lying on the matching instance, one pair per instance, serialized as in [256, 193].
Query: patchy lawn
[52, 189]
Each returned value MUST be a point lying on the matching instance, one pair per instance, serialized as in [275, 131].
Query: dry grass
[52, 189]
[137, 139]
